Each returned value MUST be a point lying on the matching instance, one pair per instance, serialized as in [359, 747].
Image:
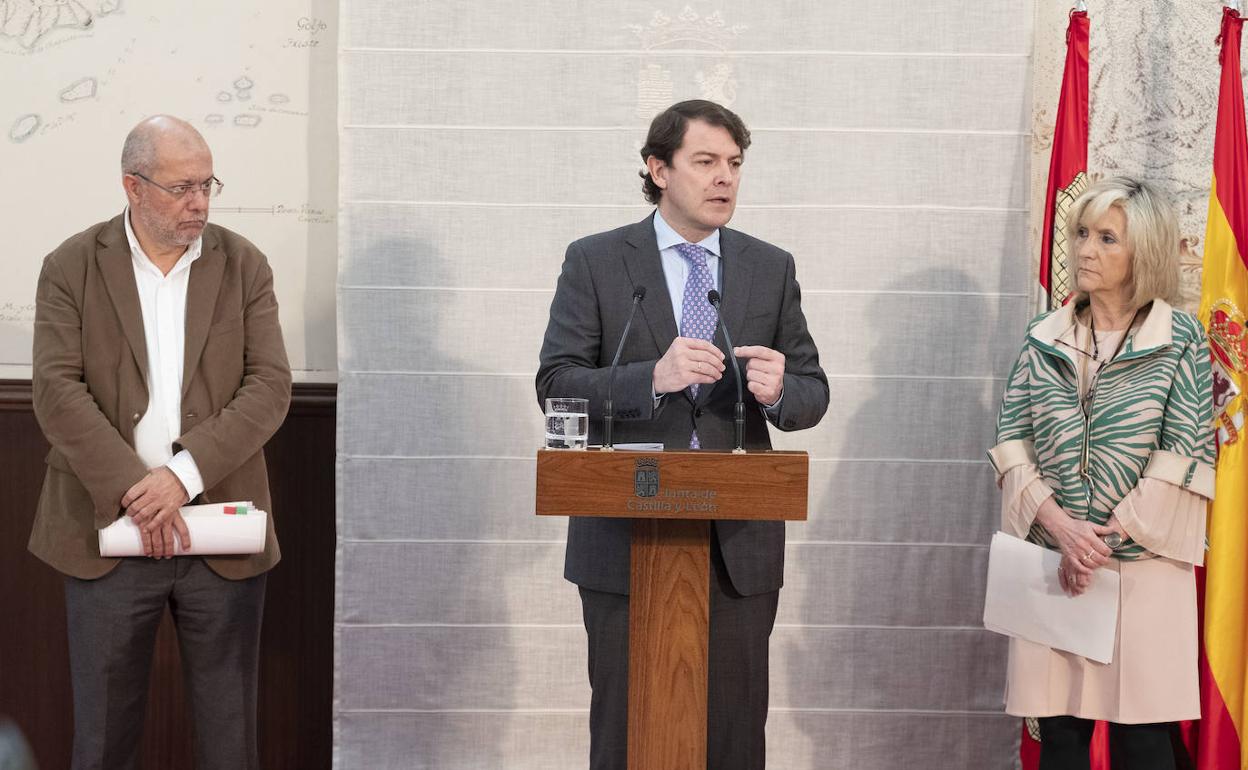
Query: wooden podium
[672, 496]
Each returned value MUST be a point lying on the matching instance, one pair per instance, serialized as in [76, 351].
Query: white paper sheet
[1025, 600]
[213, 532]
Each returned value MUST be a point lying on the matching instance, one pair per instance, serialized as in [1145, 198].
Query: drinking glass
[567, 423]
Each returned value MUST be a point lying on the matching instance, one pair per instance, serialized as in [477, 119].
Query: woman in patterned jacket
[1104, 452]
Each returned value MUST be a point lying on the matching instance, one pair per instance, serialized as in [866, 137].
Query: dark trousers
[737, 675]
[112, 632]
[1064, 743]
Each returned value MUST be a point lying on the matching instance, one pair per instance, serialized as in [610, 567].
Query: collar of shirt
[143, 262]
[676, 267]
[669, 238]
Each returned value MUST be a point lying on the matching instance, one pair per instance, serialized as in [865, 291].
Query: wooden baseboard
[296, 656]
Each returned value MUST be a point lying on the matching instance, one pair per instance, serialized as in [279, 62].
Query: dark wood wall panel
[296, 655]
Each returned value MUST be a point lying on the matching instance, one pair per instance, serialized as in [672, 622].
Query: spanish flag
[1224, 296]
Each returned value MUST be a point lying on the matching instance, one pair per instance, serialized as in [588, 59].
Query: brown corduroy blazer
[90, 388]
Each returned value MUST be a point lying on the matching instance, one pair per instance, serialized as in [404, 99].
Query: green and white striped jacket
[1151, 415]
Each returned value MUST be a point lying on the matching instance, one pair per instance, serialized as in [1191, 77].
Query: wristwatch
[1113, 540]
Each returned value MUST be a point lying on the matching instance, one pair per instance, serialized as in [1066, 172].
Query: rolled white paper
[213, 532]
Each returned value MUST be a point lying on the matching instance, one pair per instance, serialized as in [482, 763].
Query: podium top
[673, 484]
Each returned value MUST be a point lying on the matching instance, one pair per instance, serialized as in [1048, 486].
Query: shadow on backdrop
[907, 506]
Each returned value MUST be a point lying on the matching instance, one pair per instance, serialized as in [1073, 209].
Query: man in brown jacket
[159, 374]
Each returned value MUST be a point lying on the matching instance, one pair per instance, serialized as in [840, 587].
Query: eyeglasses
[211, 188]
[1090, 396]
[1085, 401]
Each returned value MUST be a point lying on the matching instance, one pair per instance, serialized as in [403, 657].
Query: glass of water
[567, 423]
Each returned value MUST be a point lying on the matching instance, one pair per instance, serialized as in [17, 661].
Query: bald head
[166, 169]
[157, 137]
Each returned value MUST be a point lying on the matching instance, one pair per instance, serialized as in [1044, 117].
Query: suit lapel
[737, 276]
[117, 270]
[645, 268]
[201, 299]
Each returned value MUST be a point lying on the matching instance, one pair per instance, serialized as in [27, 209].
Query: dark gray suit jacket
[762, 306]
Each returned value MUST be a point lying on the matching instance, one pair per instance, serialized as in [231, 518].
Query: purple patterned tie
[697, 317]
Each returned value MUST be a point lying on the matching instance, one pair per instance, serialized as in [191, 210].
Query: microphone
[738, 420]
[608, 415]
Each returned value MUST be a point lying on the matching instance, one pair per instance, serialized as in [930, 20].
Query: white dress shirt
[162, 299]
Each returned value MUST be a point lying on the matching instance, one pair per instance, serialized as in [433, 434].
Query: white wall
[259, 80]
[891, 156]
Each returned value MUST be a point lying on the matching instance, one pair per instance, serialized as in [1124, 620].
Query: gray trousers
[112, 632]
[737, 676]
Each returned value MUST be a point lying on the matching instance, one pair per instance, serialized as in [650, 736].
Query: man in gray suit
[672, 386]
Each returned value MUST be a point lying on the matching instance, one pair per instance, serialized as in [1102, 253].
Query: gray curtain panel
[891, 156]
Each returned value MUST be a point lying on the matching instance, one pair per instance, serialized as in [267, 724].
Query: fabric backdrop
[1153, 96]
[891, 156]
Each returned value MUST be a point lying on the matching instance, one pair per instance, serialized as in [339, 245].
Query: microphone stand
[608, 415]
[738, 421]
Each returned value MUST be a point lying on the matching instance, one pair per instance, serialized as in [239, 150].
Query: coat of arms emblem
[646, 477]
[1228, 340]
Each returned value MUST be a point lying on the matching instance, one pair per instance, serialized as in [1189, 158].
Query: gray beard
[164, 236]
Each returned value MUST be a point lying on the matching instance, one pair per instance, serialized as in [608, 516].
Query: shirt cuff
[1011, 454]
[771, 408]
[1181, 471]
[1023, 491]
[1167, 519]
[184, 467]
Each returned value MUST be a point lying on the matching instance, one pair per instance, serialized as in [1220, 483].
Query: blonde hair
[1152, 235]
